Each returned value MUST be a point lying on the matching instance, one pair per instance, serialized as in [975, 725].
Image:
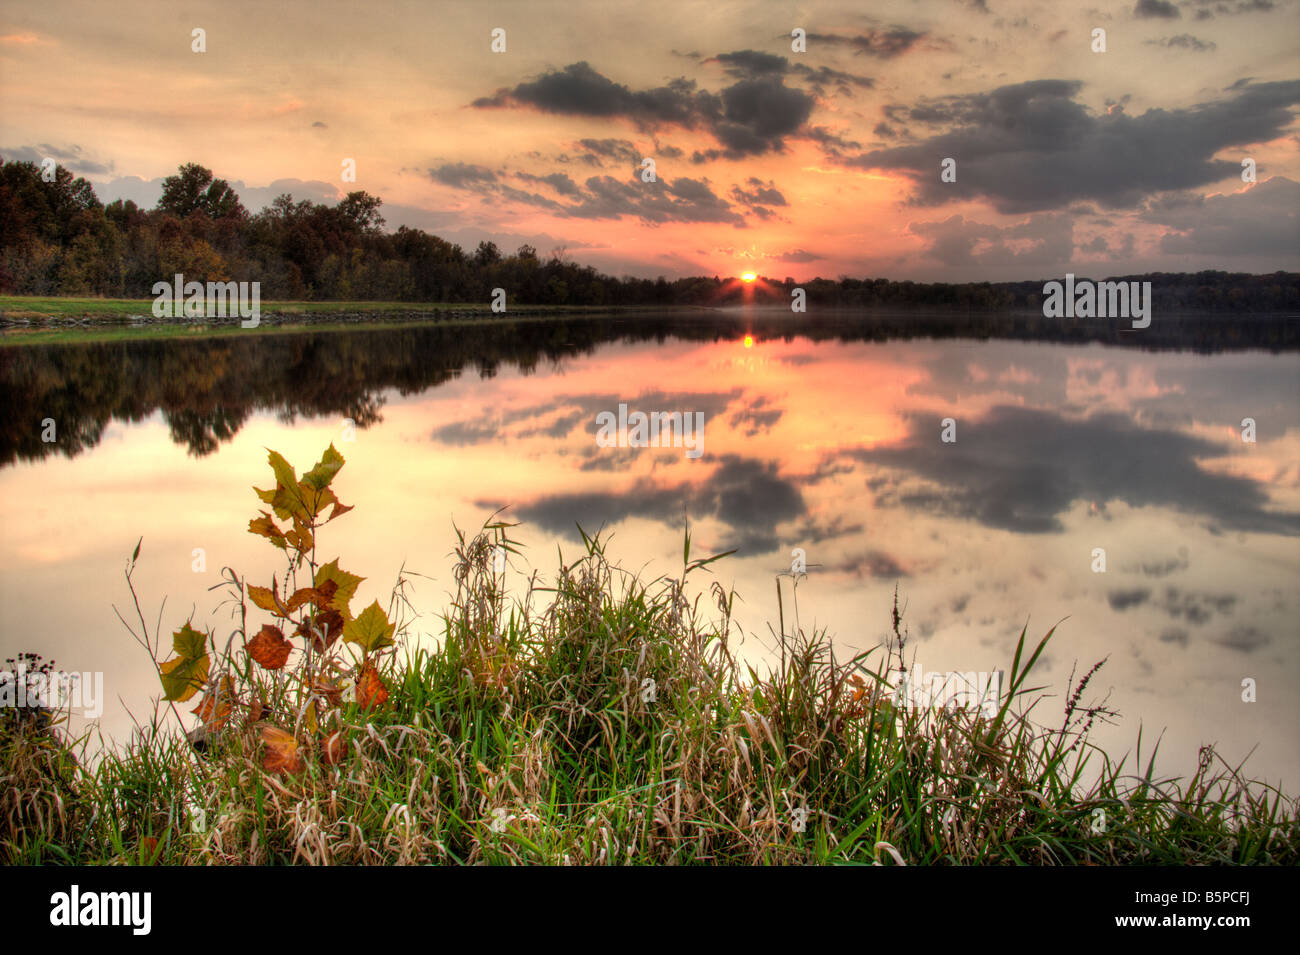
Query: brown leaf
[255, 710]
[371, 691]
[217, 704]
[301, 596]
[330, 624]
[269, 647]
[282, 754]
[332, 749]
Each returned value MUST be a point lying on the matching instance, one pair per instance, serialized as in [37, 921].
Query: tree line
[57, 238]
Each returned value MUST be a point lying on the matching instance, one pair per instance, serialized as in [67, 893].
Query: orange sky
[821, 162]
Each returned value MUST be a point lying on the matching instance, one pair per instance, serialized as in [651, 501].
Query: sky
[824, 161]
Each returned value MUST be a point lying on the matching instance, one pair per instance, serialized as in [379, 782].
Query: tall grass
[532, 733]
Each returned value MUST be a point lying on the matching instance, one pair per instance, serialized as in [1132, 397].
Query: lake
[988, 467]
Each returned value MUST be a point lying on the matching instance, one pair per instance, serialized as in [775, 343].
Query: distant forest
[57, 238]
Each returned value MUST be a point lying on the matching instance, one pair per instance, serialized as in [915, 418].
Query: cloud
[1043, 240]
[1184, 41]
[1031, 146]
[1020, 469]
[618, 149]
[759, 193]
[1124, 599]
[799, 256]
[751, 117]
[682, 199]
[883, 44]
[461, 174]
[1147, 9]
[1244, 639]
[873, 563]
[1264, 220]
[747, 495]
[73, 158]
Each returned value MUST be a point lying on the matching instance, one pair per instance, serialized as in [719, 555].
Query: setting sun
[748, 276]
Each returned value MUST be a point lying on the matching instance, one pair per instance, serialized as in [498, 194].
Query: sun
[748, 276]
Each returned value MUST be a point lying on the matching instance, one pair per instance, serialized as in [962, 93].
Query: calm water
[824, 436]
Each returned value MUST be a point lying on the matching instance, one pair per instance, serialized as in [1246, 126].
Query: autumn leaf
[346, 585]
[371, 691]
[300, 537]
[266, 528]
[332, 749]
[339, 510]
[269, 647]
[217, 704]
[323, 473]
[330, 624]
[183, 675]
[282, 754]
[371, 630]
[265, 597]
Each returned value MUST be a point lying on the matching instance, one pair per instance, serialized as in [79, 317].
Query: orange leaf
[371, 691]
[216, 706]
[265, 598]
[282, 754]
[269, 647]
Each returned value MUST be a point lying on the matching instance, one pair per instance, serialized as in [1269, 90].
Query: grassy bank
[605, 719]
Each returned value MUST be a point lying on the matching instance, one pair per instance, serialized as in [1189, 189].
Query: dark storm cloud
[1147, 9]
[751, 117]
[1031, 146]
[747, 495]
[1264, 220]
[884, 44]
[1020, 469]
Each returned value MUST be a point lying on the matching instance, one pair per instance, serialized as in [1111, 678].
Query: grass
[532, 734]
[28, 307]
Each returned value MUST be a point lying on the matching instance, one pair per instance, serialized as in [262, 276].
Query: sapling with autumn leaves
[291, 688]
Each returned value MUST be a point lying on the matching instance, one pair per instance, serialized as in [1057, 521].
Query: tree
[194, 190]
[362, 210]
[487, 253]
